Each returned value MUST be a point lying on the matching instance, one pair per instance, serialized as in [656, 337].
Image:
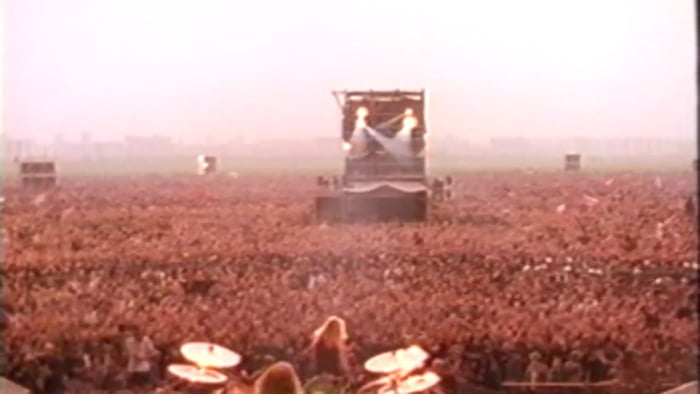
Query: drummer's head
[280, 378]
[333, 330]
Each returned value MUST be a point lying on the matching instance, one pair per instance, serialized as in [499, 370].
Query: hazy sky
[204, 68]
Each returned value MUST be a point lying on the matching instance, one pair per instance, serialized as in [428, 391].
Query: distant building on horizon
[154, 145]
[21, 148]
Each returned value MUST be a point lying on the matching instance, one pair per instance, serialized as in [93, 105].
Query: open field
[332, 164]
[564, 265]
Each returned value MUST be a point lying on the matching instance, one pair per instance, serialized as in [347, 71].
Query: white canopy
[406, 187]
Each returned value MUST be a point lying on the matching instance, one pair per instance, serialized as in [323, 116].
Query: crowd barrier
[561, 387]
[609, 386]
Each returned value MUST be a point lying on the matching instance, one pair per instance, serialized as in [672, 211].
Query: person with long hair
[329, 353]
[279, 378]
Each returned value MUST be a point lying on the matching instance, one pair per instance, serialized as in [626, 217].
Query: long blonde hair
[333, 330]
[279, 378]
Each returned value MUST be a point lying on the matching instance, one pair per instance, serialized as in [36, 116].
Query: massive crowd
[522, 277]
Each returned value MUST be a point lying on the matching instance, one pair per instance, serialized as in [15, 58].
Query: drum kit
[399, 369]
[207, 357]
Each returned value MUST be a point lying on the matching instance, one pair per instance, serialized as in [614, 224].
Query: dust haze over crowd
[222, 70]
[569, 279]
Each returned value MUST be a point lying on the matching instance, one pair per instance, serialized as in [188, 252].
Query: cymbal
[210, 355]
[406, 359]
[412, 384]
[198, 375]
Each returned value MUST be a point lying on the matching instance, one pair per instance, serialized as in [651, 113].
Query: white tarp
[9, 387]
[405, 187]
[688, 388]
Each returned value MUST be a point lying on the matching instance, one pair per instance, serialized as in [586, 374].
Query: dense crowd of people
[520, 278]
